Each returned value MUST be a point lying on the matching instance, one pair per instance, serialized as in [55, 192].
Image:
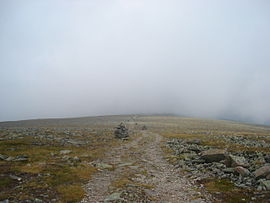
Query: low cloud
[84, 58]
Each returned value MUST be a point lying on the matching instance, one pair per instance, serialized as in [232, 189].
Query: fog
[71, 58]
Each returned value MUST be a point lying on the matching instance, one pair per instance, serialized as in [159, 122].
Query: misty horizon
[61, 59]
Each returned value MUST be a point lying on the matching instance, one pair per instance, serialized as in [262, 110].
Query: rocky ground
[49, 164]
[144, 159]
[246, 167]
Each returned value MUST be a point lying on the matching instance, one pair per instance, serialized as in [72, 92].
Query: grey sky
[73, 58]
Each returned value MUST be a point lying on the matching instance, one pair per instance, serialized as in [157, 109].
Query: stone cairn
[144, 127]
[121, 132]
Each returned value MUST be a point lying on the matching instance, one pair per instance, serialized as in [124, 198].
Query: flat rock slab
[213, 155]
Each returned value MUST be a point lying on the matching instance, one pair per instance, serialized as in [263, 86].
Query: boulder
[242, 171]
[234, 161]
[262, 172]
[213, 155]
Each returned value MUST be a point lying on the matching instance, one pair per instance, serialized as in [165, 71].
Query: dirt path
[139, 174]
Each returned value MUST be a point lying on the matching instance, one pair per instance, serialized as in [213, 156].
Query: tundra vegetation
[52, 160]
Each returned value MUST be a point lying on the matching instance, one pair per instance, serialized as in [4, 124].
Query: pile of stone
[246, 169]
[144, 127]
[121, 132]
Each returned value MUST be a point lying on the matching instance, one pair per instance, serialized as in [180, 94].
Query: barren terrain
[164, 160]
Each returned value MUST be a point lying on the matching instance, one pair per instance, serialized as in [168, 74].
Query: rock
[267, 159]
[194, 148]
[76, 159]
[10, 158]
[194, 141]
[38, 200]
[234, 161]
[262, 172]
[63, 152]
[3, 157]
[4, 201]
[125, 164]
[104, 166]
[15, 177]
[121, 132]
[228, 170]
[197, 200]
[213, 155]
[76, 142]
[198, 161]
[134, 167]
[268, 177]
[21, 158]
[242, 171]
[114, 197]
[66, 157]
[265, 184]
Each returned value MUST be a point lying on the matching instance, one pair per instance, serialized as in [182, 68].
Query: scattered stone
[242, 171]
[63, 152]
[262, 172]
[213, 155]
[203, 162]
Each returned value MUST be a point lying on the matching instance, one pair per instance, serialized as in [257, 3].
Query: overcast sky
[72, 58]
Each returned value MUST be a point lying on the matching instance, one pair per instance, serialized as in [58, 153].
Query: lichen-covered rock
[213, 155]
